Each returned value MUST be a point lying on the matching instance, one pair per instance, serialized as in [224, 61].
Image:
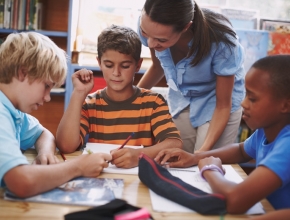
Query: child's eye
[109, 66]
[161, 41]
[252, 99]
[125, 67]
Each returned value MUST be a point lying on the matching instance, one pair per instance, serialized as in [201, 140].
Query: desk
[135, 193]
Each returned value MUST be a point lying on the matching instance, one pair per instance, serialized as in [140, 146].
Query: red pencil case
[163, 183]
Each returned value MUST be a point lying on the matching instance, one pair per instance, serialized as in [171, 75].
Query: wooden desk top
[135, 193]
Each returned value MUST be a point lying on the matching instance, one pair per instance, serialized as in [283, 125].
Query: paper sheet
[189, 175]
[106, 148]
[162, 204]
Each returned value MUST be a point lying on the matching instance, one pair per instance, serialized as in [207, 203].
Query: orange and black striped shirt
[145, 113]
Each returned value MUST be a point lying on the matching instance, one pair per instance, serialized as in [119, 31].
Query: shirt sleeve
[278, 160]
[30, 131]
[228, 60]
[162, 124]
[10, 153]
[250, 145]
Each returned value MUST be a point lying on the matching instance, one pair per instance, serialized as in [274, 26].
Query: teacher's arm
[221, 115]
[154, 73]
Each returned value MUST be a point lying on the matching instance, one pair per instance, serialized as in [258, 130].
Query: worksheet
[162, 204]
[106, 148]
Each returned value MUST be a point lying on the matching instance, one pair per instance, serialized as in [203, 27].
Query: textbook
[79, 191]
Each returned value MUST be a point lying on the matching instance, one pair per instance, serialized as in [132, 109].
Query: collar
[15, 113]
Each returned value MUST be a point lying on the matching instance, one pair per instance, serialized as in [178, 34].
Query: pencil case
[117, 209]
[163, 183]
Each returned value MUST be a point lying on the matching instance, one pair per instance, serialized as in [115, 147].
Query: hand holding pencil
[126, 141]
[125, 157]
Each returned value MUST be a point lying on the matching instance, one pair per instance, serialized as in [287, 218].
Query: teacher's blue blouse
[195, 86]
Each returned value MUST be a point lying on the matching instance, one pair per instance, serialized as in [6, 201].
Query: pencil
[126, 141]
[62, 155]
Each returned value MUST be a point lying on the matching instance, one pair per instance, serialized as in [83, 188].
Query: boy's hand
[175, 157]
[45, 159]
[83, 81]
[125, 157]
[92, 165]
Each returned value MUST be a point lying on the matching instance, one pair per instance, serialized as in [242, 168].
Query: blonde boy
[30, 65]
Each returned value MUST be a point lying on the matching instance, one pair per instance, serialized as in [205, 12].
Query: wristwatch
[211, 167]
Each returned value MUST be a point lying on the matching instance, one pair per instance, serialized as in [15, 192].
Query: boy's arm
[29, 180]
[240, 197]
[45, 147]
[68, 131]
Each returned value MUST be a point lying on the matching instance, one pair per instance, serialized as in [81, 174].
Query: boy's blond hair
[40, 56]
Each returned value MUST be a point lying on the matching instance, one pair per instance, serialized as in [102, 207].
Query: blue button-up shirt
[195, 86]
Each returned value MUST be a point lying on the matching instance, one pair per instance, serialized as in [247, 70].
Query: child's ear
[286, 106]
[138, 66]
[22, 73]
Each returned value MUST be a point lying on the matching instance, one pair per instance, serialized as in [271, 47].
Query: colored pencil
[126, 141]
[62, 155]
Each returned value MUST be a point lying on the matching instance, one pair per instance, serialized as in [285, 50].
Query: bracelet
[211, 167]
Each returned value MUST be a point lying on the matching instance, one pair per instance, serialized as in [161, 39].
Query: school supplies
[117, 209]
[159, 180]
[63, 157]
[126, 141]
[162, 203]
[80, 191]
[106, 148]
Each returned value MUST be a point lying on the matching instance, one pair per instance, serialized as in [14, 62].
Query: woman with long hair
[199, 54]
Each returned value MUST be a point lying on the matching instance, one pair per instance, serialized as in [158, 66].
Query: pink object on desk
[137, 215]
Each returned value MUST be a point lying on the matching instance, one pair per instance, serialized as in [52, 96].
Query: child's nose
[116, 72]
[47, 97]
[244, 103]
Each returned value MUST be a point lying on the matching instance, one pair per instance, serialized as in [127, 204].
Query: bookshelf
[55, 23]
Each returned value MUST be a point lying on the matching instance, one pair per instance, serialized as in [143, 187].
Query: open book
[79, 191]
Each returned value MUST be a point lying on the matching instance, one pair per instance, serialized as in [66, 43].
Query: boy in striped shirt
[111, 114]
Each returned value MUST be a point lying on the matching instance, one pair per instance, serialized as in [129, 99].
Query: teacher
[198, 53]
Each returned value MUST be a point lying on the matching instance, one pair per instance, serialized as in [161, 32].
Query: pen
[62, 155]
[126, 141]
